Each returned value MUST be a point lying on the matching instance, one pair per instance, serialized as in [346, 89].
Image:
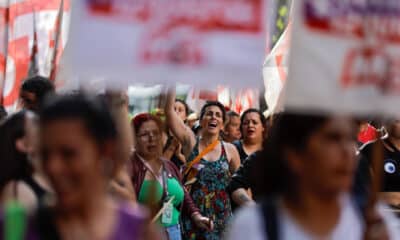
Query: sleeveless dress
[210, 195]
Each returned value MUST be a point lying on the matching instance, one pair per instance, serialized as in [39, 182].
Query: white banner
[189, 41]
[345, 57]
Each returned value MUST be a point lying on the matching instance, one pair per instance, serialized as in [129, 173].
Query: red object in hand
[368, 134]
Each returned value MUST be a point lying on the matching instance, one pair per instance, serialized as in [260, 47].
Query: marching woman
[306, 171]
[157, 181]
[78, 138]
[209, 167]
[252, 127]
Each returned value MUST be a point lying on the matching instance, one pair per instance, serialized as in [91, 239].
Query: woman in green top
[157, 181]
[152, 193]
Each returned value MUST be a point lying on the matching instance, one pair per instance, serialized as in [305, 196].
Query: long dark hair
[14, 163]
[289, 131]
[213, 103]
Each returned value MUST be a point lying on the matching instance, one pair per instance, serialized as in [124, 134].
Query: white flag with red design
[32, 36]
[275, 72]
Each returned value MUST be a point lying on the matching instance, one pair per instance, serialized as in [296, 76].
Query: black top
[391, 165]
[242, 177]
[239, 146]
[35, 187]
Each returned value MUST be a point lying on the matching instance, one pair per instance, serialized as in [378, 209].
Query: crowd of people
[82, 168]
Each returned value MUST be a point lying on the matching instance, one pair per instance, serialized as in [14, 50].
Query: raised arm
[182, 132]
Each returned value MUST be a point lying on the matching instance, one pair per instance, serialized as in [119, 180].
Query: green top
[174, 189]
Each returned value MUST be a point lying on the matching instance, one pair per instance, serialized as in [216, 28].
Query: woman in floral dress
[212, 172]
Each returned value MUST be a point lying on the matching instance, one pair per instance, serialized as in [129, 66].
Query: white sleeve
[247, 224]
[391, 221]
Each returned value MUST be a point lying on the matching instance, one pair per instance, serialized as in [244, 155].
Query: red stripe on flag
[208, 95]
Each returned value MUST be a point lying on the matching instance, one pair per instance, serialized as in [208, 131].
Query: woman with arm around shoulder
[306, 169]
[214, 168]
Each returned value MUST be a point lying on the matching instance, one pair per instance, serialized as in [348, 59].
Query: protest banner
[32, 36]
[345, 57]
[188, 41]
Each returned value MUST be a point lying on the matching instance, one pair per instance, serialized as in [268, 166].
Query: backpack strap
[270, 216]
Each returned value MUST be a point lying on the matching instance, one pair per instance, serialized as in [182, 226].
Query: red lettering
[371, 66]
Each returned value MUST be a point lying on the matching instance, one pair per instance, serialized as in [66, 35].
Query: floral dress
[210, 195]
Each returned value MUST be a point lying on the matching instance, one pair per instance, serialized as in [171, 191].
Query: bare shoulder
[230, 147]
[23, 193]
[231, 152]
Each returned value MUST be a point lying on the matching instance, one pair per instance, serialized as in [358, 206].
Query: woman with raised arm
[173, 148]
[210, 165]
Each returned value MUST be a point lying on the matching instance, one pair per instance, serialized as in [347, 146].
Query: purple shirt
[130, 225]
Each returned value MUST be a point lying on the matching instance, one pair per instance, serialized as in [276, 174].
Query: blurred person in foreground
[391, 162]
[231, 130]
[252, 128]
[211, 162]
[33, 92]
[78, 137]
[157, 181]
[305, 171]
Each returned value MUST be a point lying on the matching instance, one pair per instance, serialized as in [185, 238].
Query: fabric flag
[32, 36]
[345, 57]
[275, 72]
[238, 101]
[203, 43]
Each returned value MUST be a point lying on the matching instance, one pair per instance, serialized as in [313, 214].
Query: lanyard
[161, 179]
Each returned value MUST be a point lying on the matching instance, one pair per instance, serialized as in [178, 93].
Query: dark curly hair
[213, 103]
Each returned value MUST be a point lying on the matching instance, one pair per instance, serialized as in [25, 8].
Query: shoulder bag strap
[197, 159]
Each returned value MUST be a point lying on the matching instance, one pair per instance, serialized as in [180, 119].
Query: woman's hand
[202, 222]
